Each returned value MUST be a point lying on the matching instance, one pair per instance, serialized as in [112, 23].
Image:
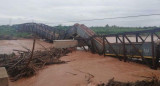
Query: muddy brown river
[76, 72]
[7, 46]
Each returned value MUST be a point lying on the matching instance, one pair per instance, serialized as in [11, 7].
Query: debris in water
[18, 66]
[152, 81]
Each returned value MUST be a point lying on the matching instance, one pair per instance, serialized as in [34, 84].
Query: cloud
[56, 12]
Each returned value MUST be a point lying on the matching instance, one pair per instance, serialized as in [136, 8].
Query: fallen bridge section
[50, 33]
[86, 35]
[44, 31]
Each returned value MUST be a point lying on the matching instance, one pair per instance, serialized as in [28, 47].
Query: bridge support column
[104, 47]
[137, 38]
[153, 52]
[157, 56]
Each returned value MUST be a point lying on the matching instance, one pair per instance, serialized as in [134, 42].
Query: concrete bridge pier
[3, 77]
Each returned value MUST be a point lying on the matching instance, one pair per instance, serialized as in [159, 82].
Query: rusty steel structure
[44, 31]
[86, 34]
[51, 33]
[124, 48]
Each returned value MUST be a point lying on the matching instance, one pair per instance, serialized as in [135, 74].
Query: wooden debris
[71, 73]
[23, 65]
[152, 81]
[88, 76]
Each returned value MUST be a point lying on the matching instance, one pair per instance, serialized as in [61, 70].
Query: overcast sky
[55, 12]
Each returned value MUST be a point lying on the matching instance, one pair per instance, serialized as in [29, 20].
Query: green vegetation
[62, 27]
[7, 32]
[110, 29]
[115, 29]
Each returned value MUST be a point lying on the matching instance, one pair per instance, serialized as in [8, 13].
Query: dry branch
[25, 65]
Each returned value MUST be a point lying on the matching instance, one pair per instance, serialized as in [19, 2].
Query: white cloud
[59, 11]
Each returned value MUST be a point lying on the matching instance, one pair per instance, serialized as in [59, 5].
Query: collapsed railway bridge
[146, 51]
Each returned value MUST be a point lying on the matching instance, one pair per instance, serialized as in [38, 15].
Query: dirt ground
[84, 68]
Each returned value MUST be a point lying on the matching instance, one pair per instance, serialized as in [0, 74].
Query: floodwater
[82, 64]
[83, 69]
[7, 46]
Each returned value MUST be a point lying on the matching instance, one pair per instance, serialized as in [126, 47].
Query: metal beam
[136, 49]
[104, 47]
[116, 39]
[141, 38]
[137, 38]
[157, 35]
[119, 39]
[112, 48]
[124, 48]
[157, 56]
[152, 42]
